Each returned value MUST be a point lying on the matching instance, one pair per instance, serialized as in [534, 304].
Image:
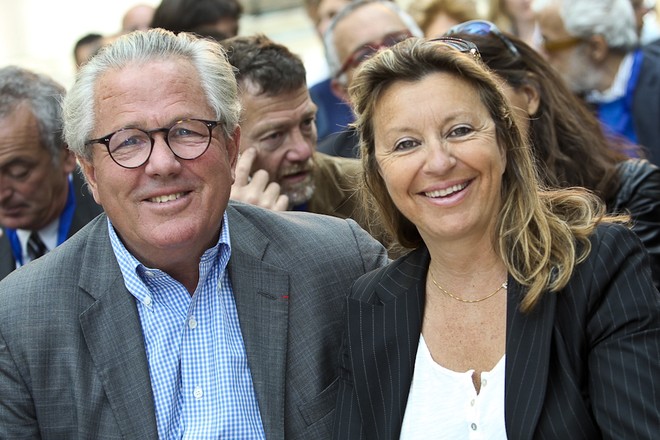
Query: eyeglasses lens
[187, 139]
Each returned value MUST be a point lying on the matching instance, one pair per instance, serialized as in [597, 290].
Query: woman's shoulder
[398, 275]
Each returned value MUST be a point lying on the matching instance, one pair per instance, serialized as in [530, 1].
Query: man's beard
[299, 192]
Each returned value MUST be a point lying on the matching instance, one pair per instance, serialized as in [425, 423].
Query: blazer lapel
[527, 361]
[383, 335]
[7, 262]
[261, 295]
[112, 331]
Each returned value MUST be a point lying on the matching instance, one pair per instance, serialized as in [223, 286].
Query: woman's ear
[531, 92]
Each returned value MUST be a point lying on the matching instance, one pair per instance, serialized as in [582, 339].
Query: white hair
[216, 77]
[614, 20]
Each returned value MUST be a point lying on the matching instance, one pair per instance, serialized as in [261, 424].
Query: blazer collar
[528, 344]
[261, 294]
[111, 328]
[383, 335]
[396, 310]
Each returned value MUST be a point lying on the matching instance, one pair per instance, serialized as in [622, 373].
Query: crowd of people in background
[456, 233]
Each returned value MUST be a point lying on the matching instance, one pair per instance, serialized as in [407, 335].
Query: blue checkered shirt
[197, 361]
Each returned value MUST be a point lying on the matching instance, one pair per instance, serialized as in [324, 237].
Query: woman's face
[438, 154]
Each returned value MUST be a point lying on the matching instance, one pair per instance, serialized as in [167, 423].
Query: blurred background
[40, 34]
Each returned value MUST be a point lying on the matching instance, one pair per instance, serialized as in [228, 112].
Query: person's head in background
[516, 17]
[321, 12]
[435, 17]
[585, 40]
[34, 160]
[194, 15]
[563, 133]
[357, 31]
[86, 47]
[278, 114]
[137, 18]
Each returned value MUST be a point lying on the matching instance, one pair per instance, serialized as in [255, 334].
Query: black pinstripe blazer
[584, 364]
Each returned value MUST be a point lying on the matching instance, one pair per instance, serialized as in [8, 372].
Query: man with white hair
[595, 46]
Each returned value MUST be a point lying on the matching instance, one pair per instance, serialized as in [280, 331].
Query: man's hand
[256, 190]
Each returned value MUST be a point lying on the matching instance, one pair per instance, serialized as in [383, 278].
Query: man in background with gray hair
[42, 199]
[178, 314]
[594, 45]
[357, 31]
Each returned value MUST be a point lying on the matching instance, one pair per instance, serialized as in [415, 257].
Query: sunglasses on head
[460, 45]
[483, 27]
[369, 49]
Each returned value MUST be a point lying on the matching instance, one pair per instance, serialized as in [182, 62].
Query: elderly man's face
[169, 209]
[567, 53]
[371, 25]
[282, 130]
[33, 188]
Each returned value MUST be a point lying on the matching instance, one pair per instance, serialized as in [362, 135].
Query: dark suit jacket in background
[86, 210]
[646, 103]
[345, 143]
[72, 354]
[583, 365]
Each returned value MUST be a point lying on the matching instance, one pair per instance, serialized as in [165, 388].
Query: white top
[619, 86]
[443, 404]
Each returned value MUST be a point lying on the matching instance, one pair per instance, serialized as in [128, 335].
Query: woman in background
[435, 17]
[516, 17]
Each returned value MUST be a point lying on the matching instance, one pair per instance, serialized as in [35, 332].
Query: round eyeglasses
[131, 147]
[366, 51]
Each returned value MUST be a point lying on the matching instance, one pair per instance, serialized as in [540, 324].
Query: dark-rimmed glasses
[551, 46]
[463, 46]
[363, 52]
[483, 27]
[131, 147]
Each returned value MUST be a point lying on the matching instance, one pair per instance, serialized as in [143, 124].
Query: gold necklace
[469, 301]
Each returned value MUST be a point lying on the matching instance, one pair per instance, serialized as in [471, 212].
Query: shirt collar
[132, 269]
[619, 86]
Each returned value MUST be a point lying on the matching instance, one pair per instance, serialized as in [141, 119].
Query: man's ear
[68, 160]
[339, 90]
[233, 148]
[598, 48]
[90, 177]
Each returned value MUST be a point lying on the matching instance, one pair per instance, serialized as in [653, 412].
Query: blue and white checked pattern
[197, 361]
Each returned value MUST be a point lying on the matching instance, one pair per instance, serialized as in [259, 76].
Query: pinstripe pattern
[582, 365]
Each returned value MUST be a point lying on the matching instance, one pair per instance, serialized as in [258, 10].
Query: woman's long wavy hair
[540, 234]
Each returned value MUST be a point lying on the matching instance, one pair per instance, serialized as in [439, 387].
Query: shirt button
[192, 322]
[484, 382]
[147, 300]
[198, 393]
[473, 426]
[472, 402]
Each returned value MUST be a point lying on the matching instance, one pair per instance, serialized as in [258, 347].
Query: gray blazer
[72, 356]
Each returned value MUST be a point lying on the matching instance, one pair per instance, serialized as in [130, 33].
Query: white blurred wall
[40, 34]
